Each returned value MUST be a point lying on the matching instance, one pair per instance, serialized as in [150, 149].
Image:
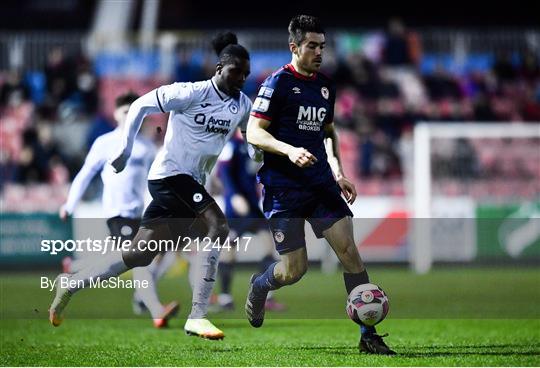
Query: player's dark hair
[227, 48]
[302, 24]
[126, 99]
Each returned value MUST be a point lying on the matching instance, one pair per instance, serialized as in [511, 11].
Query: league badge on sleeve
[261, 104]
[266, 92]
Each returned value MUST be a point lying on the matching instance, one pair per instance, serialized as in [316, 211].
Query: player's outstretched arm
[258, 136]
[92, 165]
[144, 105]
[332, 151]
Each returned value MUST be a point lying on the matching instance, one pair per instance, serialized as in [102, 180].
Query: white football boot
[203, 328]
[59, 303]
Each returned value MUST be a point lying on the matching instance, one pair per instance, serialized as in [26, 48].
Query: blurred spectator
[32, 164]
[364, 75]
[86, 86]
[483, 111]
[442, 85]
[400, 48]
[187, 69]
[531, 105]
[378, 158]
[529, 68]
[49, 145]
[503, 68]
[473, 84]
[60, 75]
[346, 108]
[38, 155]
[71, 129]
[341, 73]
[7, 169]
[390, 117]
[14, 91]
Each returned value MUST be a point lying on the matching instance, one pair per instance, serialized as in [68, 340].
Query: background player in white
[123, 205]
[203, 116]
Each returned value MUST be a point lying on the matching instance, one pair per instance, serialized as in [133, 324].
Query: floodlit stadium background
[470, 80]
[61, 73]
[438, 111]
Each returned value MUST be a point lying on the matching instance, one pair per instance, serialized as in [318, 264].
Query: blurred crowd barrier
[57, 94]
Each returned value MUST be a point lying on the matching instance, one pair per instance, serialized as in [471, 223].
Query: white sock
[79, 264]
[224, 299]
[111, 264]
[203, 278]
[148, 295]
[167, 260]
[192, 270]
[83, 261]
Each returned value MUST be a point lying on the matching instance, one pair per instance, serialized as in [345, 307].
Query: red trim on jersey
[261, 116]
[290, 68]
[277, 71]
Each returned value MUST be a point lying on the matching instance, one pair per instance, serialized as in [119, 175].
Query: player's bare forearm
[258, 136]
[332, 150]
[254, 153]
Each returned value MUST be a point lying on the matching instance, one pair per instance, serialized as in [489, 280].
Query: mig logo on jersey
[310, 118]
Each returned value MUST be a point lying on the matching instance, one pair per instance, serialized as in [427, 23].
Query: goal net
[474, 192]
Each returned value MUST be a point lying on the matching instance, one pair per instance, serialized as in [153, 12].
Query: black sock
[266, 281]
[352, 280]
[225, 273]
[266, 262]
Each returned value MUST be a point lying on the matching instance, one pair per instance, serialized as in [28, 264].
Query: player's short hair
[302, 24]
[126, 99]
[227, 48]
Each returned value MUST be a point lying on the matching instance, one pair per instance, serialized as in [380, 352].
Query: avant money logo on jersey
[213, 125]
[310, 118]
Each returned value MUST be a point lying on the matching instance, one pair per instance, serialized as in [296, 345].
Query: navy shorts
[253, 222]
[288, 208]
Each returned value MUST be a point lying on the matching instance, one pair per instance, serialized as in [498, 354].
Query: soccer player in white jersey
[123, 204]
[203, 116]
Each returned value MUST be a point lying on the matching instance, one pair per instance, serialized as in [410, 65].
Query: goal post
[420, 256]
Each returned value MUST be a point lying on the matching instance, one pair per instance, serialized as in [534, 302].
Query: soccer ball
[367, 304]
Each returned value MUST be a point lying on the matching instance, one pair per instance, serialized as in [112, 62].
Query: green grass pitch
[451, 317]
